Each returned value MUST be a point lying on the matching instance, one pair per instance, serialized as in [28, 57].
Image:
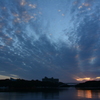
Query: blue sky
[53, 38]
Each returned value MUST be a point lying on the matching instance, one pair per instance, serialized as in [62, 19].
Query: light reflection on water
[67, 94]
[88, 93]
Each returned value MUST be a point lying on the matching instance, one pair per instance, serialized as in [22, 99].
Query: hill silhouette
[89, 85]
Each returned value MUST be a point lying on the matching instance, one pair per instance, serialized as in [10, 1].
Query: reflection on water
[88, 93]
[50, 94]
[85, 93]
[67, 94]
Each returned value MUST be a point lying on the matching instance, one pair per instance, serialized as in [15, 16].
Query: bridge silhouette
[70, 84]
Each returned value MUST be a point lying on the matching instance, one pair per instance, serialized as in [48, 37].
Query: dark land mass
[26, 85]
[89, 85]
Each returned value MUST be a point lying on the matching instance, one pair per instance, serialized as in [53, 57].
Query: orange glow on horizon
[97, 77]
[86, 79]
[83, 79]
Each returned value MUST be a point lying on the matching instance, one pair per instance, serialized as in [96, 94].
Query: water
[67, 94]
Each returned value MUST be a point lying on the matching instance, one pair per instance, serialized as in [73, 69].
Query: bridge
[71, 83]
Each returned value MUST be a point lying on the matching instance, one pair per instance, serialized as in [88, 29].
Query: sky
[52, 38]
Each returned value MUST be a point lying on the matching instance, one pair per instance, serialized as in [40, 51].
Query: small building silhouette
[45, 79]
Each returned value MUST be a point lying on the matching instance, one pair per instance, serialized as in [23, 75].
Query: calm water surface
[68, 94]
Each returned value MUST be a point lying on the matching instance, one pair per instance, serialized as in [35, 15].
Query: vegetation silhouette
[26, 85]
[89, 85]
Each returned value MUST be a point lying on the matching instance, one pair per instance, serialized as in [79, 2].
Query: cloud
[4, 77]
[47, 43]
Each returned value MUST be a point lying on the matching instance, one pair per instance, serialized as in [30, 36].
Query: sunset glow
[83, 79]
[87, 79]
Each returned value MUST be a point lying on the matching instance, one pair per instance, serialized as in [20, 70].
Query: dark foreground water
[67, 94]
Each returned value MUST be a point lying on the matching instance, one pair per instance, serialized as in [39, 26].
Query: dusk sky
[53, 38]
